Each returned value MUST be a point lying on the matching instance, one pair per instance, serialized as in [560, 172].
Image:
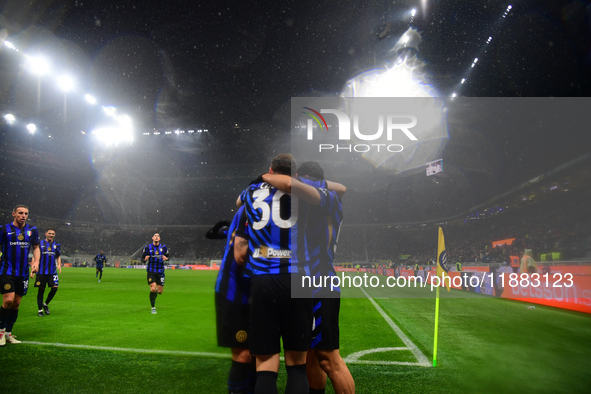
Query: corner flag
[442, 267]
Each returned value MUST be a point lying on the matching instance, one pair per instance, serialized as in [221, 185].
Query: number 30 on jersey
[259, 203]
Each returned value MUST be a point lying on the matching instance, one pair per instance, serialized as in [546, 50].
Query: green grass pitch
[115, 345]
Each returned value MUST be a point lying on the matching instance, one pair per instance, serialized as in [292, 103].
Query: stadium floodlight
[413, 12]
[113, 135]
[9, 45]
[89, 99]
[37, 65]
[116, 134]
[32, 128]
[66, 83]
[10, 119]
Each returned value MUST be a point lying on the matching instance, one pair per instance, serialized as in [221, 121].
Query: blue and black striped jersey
[50, 251]
[100, 260]
[231, 281]
[155, 263]
[300, 237]
[322, 232]
[16, 245]
[268, 211]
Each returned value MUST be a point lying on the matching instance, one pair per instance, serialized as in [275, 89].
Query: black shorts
[232, 322]
[99, 269]
[325, 330]
[50, 280]
[156, 277]
[14, 284]
[274, 315]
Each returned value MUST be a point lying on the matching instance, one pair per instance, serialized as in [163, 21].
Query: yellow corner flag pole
[441, 270]
[436, 328]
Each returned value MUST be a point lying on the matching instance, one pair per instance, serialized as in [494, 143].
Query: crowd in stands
[559, 224]
[553, 225]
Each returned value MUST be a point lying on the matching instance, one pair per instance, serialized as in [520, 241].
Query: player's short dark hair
[50, 228]
[284, 164]
[19, 206]
[311, 169]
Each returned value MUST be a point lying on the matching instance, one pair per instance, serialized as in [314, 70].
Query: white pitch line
[422, 360]
[122, 349]
[385, 363]
[353, 358]
[198, 354]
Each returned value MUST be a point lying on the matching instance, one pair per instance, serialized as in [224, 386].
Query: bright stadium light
[113, 135]
[89, 99]
[37, 65]
[32, 128]
[9, 118]
[9, 45]
[65, 83]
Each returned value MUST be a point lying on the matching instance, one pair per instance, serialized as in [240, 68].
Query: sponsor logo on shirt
[267, 252]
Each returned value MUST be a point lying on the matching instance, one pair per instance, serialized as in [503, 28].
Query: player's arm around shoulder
[338, 188]
[290, 185]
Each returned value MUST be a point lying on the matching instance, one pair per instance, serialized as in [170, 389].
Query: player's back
[270, 217]
[322, 229]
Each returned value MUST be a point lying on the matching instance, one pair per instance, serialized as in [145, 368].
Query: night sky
[232, 68]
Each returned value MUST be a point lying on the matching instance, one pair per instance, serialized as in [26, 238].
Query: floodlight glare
[9, 118]
[32, 128]
[9, 44]
[37, 65]
[65, 83]
[89, 99]
[110, 111]
[413, 12]
[124, 121]
[114, 135]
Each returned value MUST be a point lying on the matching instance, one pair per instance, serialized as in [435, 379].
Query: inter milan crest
[21, 237]
[7, 287]
[241, 336]
[443, 261]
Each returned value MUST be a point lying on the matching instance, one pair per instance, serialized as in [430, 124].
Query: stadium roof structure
[234, 70]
